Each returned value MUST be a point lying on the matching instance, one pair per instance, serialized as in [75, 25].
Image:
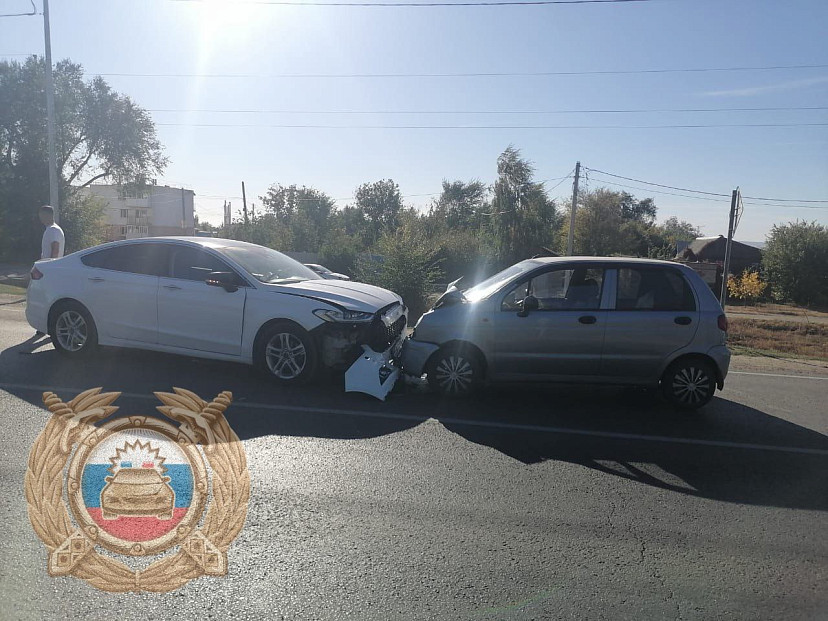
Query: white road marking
[471, 423]
[816, 377]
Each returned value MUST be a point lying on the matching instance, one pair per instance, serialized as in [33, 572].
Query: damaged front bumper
[374, 373]
[369, 351]
[340, 343]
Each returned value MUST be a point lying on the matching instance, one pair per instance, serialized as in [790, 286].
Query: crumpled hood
[345, 293]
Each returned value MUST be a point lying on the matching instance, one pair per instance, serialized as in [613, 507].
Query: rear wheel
[689, 384]
[72, 329]
[455, 371]
[286, 353]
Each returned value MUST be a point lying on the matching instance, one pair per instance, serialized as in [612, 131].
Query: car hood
[343, 293]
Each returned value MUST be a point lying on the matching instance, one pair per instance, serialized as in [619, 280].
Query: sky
[231, 91]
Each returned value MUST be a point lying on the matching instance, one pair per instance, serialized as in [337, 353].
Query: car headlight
[346, 316]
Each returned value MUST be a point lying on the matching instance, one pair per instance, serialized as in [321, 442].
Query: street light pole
[54, 199]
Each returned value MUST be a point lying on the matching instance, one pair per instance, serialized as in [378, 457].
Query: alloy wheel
[286, 355]
[71, 330]
[691, 385]
[454, 374]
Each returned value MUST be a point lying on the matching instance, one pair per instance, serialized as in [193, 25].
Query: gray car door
[655, 313]
[563, 337]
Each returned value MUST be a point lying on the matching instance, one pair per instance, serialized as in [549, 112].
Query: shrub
[747, 287]
[794, 262]
[407, 264]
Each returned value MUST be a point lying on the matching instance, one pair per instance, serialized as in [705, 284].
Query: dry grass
[12, 290]
[775, 309]
[797, 339]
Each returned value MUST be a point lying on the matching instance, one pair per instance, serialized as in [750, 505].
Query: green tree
[100, 135]
[522, 219]
[407, 263]
[794, 262]
[340, 251]
[380, 205]
[677, 230]
[459, 204]
[304, 211]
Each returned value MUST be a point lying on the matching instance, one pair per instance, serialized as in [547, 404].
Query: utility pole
[54, 199]
[244, 204]
[570, 243]
[731, 229]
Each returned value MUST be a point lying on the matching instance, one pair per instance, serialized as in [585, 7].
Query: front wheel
[72, 330]
[454, 372]
[286, 353]
[689, 384]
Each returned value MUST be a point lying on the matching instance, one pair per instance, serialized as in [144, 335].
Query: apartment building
[154, 211]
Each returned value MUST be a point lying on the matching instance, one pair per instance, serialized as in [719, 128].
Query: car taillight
[722, 323]
[36, 274]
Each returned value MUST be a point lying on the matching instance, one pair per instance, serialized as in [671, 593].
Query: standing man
[51, 247]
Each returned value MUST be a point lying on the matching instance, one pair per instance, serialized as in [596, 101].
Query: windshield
[266, 265]
[493, 283]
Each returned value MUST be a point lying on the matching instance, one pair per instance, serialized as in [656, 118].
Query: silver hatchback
[577, 319]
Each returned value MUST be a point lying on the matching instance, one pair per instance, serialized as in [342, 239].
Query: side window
[511, 303]
[561, 289]
[653, 289]
[195, 264]
[140, 258]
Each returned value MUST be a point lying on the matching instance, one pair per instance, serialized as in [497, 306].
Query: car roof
[204, 242]
[590, 259]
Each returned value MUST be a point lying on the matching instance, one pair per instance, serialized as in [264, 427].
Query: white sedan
[210, 298]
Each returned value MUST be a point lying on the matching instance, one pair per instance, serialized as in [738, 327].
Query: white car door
[195, 315]
[120, 289]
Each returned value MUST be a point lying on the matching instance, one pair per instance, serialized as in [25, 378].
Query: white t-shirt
[53, 233]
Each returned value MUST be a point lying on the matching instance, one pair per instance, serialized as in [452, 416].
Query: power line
[659, 185]
[633, 187]
[490, 74]
[585, 111]
[322, 126]
[493, 3]
[755, 198]
[705, 198]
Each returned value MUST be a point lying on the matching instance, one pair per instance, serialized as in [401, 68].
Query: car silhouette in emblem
[137, 492]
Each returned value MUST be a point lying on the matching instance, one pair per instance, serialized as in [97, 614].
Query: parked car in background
[211, 298]
[324, 272]
[577, 319]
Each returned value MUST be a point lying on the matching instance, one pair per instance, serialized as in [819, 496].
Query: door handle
[587, 319]
[172, 287]
[683, 321]
[96, 279]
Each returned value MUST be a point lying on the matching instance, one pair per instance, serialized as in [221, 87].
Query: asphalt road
[523, 503]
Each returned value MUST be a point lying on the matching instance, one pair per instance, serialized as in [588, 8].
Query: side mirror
[529, 304]
[225, 280]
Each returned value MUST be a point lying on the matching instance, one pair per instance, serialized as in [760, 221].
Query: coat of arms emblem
[138, 486]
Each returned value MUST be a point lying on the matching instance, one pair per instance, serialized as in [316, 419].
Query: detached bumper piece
[373, 373]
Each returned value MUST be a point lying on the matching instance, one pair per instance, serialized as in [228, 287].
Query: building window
[133, 193]
[125, 213]
[123, 230]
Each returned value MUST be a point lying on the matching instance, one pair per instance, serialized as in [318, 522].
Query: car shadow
[728, 451]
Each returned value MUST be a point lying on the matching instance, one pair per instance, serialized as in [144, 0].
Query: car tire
[72, 329]
[286, 353]
[455, 371]
[689, 384]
